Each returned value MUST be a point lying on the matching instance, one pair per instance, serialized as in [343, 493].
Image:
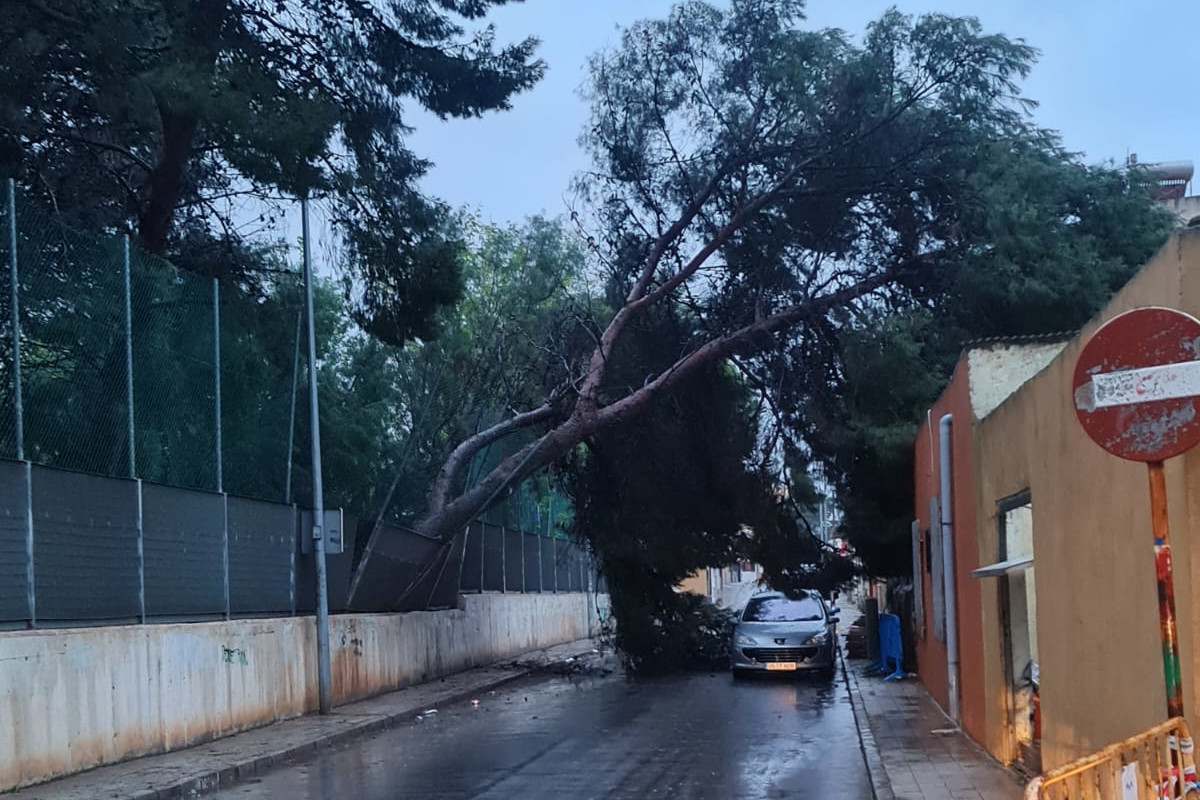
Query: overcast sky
[1114, 76]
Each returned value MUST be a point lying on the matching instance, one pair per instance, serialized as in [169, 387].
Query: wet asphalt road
[690, 737]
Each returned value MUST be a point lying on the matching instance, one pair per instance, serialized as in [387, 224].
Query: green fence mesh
[99, 318]
[76, 338]
[122, 360]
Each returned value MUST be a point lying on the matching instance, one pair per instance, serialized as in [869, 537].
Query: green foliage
[677, 489]
[1052, 240]
[674, 632]
[390, 416]
[841, 216]
[1056, 239]
[793, 188]
[814, 162]
[664, 495]
[162, 116]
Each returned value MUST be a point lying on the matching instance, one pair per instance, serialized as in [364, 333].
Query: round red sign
[1137, 384]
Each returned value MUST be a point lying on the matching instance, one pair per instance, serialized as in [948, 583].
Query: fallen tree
[765, 179]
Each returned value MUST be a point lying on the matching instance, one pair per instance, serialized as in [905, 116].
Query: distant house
[729, 586]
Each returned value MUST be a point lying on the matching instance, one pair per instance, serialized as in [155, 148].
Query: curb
[228, 776]
[881, 785]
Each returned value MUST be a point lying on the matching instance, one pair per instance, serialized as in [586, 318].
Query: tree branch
[109, 146]
[725, 345]
[439, 490]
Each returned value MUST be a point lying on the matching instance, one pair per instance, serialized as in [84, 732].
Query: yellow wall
[696, 583]
[1098, 633]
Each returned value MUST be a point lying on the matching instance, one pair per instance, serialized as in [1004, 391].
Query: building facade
[1053, 574]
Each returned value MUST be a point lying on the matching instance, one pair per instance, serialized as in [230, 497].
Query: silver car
[781, 633]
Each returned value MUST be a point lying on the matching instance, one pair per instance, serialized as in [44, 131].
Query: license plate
[781, 666]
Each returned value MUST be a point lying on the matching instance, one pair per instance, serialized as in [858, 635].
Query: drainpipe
[945, 467]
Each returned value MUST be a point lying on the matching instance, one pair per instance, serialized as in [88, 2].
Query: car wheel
[828, 673]
[740, 674]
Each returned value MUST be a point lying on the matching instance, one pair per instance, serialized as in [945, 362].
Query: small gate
[1158, 764]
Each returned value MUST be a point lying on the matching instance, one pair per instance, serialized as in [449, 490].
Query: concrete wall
[1101, 666]
[1185, 208]
[999, 369]
[77, 698]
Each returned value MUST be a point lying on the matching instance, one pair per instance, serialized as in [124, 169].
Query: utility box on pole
[333, 529]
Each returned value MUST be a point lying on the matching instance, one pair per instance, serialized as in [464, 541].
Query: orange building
[1018, 484]
[949, 633]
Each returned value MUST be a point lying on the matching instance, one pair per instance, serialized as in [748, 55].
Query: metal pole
[287, 491]
[1166, 589]
[292, 563]
[216, 299]
[30, 573]
[18, 408]
[141, 553]
[225, 554]
[541, 566]
[16, 318]
[129, 357]
[587, 592]
[324, 688]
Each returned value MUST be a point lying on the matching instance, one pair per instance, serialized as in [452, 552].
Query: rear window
[781, 609]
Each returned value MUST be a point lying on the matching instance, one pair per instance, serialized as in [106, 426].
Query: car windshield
[781, 609]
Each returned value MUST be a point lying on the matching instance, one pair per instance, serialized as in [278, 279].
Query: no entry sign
[1136, 390]
[1137, 384]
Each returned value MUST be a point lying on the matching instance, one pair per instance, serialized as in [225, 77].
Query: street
[683, 737]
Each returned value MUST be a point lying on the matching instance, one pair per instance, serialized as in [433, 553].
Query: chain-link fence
[122, 365]
[116, 365]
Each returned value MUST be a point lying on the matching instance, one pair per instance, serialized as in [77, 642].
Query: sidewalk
[225, 761]
[912, 749]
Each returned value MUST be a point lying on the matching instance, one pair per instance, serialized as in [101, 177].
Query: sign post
[1137, 395]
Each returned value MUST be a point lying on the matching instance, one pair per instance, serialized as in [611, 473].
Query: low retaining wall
[78, 698]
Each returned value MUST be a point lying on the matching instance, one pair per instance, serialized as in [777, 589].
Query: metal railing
[1157, 764]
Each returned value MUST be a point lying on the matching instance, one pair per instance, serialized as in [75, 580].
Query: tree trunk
[447, 520]
[166, 181]
[195, 28]
[448, 516]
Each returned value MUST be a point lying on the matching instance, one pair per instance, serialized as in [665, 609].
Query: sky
[1114, 76]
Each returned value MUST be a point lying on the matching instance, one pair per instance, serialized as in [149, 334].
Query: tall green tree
[160, 115]
[1053, 239]
[669, 493]
[769, 179]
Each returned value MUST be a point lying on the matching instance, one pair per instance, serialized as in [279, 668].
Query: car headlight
[741, 638]
[820, 638]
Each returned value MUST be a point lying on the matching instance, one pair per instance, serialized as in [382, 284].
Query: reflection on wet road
[693, 736]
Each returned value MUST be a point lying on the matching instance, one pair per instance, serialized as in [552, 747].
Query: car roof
[773, 594]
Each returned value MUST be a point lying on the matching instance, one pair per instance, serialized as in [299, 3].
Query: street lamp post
[324, 688]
